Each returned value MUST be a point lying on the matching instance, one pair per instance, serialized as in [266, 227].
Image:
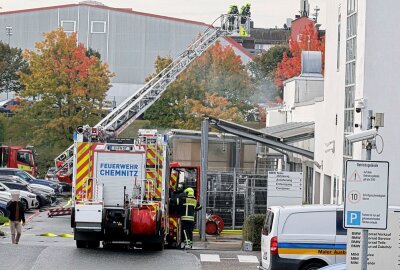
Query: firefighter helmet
[189, 191]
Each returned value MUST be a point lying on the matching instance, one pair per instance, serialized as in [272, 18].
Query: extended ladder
[135, 105]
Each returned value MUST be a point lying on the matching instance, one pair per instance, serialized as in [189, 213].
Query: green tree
[11, 63]
[65, 87]
[218, 72]
[264, 65]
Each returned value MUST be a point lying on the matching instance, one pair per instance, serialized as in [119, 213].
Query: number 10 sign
[366, 202]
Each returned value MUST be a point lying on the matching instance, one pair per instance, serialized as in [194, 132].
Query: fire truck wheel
[93, 244]
[153, 246]
[81, 244]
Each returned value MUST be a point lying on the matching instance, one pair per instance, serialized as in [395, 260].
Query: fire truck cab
[18, 157]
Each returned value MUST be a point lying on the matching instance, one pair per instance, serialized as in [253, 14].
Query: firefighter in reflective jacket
[189, 207]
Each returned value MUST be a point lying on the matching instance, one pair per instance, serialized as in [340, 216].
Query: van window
[311, 223]
[269, 219]
[340, 230]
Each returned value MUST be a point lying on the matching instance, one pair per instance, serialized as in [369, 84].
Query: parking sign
[366, 202]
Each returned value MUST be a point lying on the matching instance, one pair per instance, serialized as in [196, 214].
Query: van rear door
[267, 233]
[341, 237]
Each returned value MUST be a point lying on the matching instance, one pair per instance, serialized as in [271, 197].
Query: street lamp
[9, 33]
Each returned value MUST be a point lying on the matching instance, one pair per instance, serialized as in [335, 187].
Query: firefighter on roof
[190, 206]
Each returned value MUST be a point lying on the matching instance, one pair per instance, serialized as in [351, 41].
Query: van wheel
[313, 266]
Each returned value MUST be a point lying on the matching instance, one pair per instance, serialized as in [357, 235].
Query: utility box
[248, 246]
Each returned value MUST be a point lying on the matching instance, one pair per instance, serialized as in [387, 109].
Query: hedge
[252, 228]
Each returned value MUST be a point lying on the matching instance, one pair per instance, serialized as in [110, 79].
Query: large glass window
[352, 25]
[338, 43]
[351, 6]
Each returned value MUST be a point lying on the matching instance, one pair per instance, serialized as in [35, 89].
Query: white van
[303, 237]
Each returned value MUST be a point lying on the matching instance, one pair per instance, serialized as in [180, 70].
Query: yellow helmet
[189, 191]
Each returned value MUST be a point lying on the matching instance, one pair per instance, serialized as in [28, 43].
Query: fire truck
[122, 190]
[18, 157]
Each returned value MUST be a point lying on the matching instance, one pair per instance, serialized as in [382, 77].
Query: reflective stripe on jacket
[190, 206]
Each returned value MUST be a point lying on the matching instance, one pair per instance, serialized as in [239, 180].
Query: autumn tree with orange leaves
[65, 88]
[216, 83]
[290, 66]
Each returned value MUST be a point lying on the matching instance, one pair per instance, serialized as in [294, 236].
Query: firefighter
[245, 13]
[231, 19]
[190, 206]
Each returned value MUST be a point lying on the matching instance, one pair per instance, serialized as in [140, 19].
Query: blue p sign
[353, 218]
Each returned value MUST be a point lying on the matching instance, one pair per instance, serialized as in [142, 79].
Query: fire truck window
[24, 157]
[186, 178]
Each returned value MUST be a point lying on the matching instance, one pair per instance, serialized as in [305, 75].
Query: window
[68, 26]
[351, 48]
[24, 157]
[352, 25]
[269, 219]
[340, 230]
[308, 185]
[98, 27]
[351, 6]
[335, 197]
[338, 43]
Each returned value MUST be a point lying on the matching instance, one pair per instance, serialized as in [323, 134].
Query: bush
[252, 230]
[3, 220]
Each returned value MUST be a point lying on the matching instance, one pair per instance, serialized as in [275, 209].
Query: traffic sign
[366, 202]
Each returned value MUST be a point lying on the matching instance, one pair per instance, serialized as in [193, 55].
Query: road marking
[209, 258]
[247, 259]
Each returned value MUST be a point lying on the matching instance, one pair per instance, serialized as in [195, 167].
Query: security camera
[363, 135]
[359, 106]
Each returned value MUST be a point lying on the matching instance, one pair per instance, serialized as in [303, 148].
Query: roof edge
[235, 44]
[124, 10]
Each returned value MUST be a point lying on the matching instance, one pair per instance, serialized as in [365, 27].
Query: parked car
[303, 237]
[339, 266]
[6, 111]
[3, 210]
[35, 187]
[28, 199]
[51, 174]
[43, 199]
[31, 179]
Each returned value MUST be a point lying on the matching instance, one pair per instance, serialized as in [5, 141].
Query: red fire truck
[18, 157]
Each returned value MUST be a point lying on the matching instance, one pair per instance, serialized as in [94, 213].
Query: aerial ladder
[135, 105]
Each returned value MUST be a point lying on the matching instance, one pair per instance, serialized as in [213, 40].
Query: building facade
[127, 40]
[360, 76]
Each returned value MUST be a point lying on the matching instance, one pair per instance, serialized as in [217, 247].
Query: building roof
[130, 11]
[292, 132]
[124, 10]
[270, 35]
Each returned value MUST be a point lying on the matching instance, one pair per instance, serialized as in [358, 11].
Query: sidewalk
[225, 242]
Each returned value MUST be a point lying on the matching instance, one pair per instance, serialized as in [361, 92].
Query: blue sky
[265, 13]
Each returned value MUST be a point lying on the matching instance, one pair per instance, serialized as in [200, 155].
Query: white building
[361, 66]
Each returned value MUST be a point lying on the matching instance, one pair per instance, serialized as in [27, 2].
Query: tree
[213, 105]
[290, 66]
[264, 65]
[68, 88]
[218, 72]
[11, 63]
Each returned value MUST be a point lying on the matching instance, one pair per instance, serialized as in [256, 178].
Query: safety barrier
[60, 211]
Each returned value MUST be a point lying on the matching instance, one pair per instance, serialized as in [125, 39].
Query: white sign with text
[366, 202]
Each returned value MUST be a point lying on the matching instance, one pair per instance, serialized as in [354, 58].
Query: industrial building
[129, 41]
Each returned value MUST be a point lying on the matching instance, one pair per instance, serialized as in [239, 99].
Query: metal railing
[234, 195]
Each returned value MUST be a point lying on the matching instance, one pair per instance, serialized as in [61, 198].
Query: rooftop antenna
[316, 13]
[304, 8]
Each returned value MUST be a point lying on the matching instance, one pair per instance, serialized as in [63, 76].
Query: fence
[234, 195]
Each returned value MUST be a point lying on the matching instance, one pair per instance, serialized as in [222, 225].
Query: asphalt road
[47, 243]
